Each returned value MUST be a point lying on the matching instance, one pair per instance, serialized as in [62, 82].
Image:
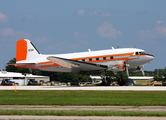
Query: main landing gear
[121, 81]
[106, 80]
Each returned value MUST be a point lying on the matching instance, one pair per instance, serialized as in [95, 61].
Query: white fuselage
[105, 57]
[27, 56]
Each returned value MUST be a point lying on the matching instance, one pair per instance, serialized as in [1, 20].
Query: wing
[78, 66]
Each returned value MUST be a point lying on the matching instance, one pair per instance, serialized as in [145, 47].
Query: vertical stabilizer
[25, 50]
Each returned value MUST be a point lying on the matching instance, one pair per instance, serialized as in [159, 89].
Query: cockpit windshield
[140, 53]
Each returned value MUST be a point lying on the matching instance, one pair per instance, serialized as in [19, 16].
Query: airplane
[91, 62]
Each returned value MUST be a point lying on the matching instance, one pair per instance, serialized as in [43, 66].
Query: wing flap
[73, 64]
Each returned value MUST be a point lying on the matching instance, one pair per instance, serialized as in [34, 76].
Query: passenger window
[97, 58]
[104, 58]
[136, 53]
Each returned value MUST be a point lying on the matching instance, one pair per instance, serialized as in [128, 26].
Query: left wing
[78, 65]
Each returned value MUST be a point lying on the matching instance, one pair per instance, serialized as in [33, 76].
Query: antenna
[89, 50]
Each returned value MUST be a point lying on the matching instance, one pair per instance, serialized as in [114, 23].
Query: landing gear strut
[121, 80]
[106, 81]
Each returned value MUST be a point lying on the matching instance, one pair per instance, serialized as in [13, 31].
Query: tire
[106, 81]
[121, 82]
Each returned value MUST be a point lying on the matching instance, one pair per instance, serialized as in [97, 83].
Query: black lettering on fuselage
[30, 50]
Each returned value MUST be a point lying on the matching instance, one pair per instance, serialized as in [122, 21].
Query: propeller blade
[127, 69]
[143, 73]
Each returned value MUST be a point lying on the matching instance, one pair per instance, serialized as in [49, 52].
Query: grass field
[81, 113]
[122, 98]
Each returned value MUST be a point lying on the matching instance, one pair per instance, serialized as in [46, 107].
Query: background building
[20, 78]
[142, 80]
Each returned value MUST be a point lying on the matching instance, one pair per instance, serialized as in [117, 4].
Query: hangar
[142, 80]
[21, 79]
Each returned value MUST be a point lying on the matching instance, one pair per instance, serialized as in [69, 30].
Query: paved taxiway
[78, 118]
[123, 88]
[56, 107]
[96, 108]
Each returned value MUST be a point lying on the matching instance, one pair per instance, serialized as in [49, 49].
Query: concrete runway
[56, 107]
[78, 118]
[94, 108]
[121, 88]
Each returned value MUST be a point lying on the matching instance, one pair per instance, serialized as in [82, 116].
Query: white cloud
[100, 13]
[157, 32]
[146, 34]
[107, 30]
[161, 30]
[158, 22]
[79, 35]
[42, 39]
[68, 46]
[95, 12]
[9, 32]
[81, 12]
[3, 17]
[53, 47]
[30, 16]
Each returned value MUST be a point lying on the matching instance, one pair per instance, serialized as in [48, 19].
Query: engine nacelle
[136, 69]
[116, 66]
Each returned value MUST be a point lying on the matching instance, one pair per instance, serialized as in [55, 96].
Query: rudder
[25, 50]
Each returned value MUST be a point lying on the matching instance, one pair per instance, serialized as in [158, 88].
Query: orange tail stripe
[21, 50]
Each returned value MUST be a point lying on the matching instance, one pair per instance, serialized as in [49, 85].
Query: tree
[12, 68]
[64, 77]
[158, 78]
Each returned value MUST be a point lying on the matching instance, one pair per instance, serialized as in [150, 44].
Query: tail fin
[25, 50]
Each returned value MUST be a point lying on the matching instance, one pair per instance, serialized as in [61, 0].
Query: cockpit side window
[136, 53]
[142, 53]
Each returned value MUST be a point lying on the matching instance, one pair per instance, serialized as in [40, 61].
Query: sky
[66, 26]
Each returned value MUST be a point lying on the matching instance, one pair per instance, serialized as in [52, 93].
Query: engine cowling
[117, 66]
[135, 69]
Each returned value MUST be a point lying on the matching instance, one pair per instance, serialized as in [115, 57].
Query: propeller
[143, 73]
[127, 69]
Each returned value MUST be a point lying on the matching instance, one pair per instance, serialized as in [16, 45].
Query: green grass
[81, 113]
[122, 98]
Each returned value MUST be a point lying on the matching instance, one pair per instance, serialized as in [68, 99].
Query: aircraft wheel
[106, 81]
[121, 82]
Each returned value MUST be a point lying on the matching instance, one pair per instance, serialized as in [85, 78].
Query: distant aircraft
[91, 62]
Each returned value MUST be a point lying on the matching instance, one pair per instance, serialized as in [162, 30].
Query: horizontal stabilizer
[25, 65]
